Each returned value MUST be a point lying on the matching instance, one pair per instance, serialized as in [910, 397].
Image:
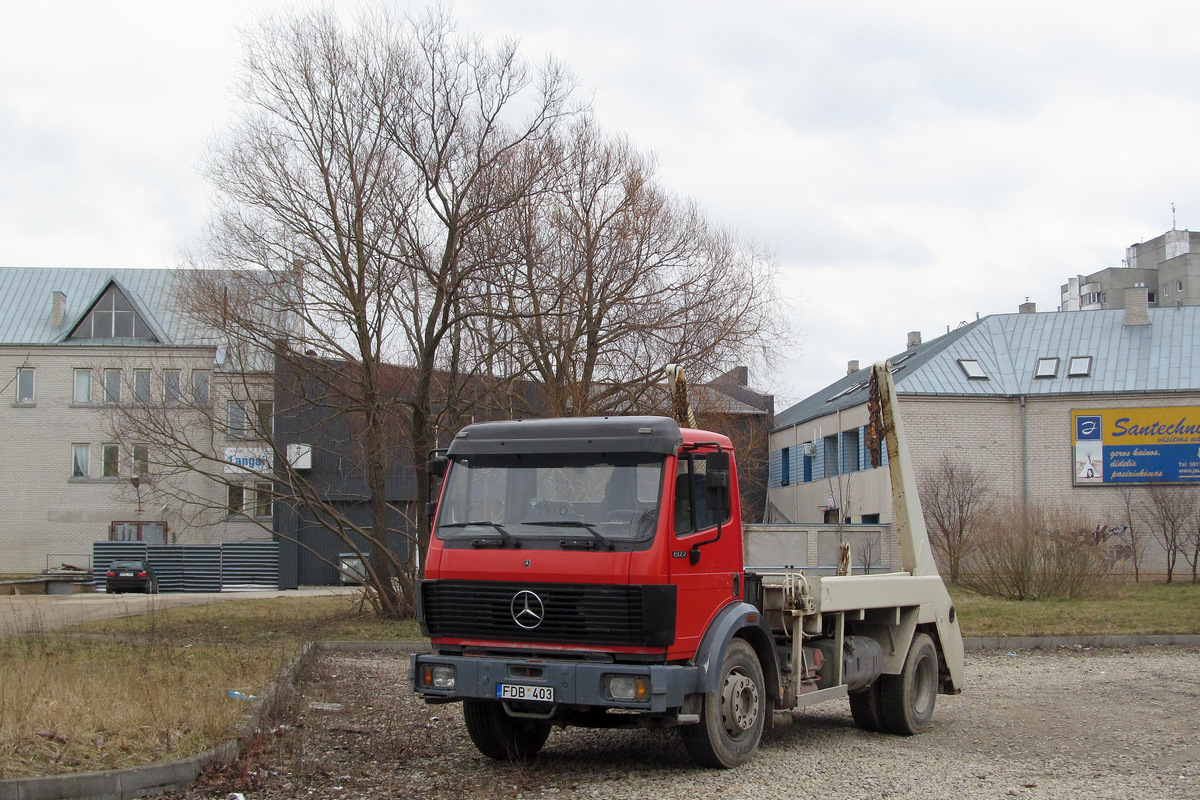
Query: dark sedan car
[130, 576]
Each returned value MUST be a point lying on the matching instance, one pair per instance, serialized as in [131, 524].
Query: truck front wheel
[731, 721]
[499, 736]
[907, 699]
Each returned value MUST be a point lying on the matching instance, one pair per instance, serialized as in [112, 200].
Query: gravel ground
[1088, 723]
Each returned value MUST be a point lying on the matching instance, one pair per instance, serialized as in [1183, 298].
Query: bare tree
[1169, 512]
[615, 278]
[1133, 534]
[357, 179]
[955, 497]
[1191, 540]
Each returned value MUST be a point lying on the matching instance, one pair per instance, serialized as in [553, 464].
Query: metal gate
[230, 566]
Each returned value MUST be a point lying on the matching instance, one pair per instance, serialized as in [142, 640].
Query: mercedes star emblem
[527, 609]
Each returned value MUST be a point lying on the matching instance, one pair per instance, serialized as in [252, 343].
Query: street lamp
[137, 487]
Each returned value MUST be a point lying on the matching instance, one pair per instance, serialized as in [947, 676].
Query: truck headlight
[626, 687]
[438, 676]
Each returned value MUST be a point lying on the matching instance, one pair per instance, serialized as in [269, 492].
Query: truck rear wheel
[907, 699]
[499, 736]
[731, 721]
[867, 708]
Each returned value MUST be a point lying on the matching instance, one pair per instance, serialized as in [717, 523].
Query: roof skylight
[972, 369]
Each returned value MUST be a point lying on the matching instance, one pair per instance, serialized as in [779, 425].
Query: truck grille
[593, 614]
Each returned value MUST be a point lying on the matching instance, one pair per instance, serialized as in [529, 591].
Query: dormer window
[112, 317]
[1046, 368]
[972, 369]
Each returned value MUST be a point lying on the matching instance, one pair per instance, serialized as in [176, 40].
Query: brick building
[76, 347]
[1035, 401]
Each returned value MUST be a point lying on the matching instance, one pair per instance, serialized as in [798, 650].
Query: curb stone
[125, 784]
[1050, 642]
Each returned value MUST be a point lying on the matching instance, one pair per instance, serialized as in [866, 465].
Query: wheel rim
[739, 703]
[923, 686]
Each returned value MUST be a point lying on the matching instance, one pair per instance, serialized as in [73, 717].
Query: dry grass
[1126, 609]
[137, 690]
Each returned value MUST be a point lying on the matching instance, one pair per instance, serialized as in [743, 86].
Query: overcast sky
[912, 164]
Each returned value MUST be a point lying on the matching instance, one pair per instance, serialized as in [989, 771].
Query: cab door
[706, 569]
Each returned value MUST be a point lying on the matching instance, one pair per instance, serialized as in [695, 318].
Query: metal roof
[26, 296]
[1159, 357]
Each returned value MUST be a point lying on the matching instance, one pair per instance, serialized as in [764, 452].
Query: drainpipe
[1024, 462]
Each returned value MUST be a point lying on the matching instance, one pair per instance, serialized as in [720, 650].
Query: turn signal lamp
[627, 687]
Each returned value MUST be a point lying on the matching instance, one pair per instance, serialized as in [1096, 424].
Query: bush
[1036, 554]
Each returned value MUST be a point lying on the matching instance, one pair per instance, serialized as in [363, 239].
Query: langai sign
[1137, 445]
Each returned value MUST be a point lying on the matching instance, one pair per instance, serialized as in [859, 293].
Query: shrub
[1035, 554]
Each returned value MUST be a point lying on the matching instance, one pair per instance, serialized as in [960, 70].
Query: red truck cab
[582, 569]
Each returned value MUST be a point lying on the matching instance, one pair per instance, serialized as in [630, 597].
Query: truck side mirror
[436, 466]
[716, 481]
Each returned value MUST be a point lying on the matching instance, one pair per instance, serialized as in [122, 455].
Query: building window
[785, 466]
[141, 386]
[1179, 286]
[807, 466]
[83, 386]
[265, 409]
[112, 386]
[831, 455]
[1046, 368]
[81, 456]
[1150, 297]
[141, 460]
[1079, 367]
[850, 459]
[262, 500]
[972, 369]
[200, 387]
[112, 317]
[870, 519]
[235, 427]
[112, 460]
[171, 394]
[24, 386]
[237, 498]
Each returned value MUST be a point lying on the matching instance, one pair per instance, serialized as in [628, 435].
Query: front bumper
[574, 683]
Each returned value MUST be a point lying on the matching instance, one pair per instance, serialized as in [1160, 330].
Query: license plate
[125, 574]
[512, 691]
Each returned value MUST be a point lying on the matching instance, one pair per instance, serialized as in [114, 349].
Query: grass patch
[1126, 609]
[138, 690]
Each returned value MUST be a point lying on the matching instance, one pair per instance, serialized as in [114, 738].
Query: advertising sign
[243, 459]
[1136, 445]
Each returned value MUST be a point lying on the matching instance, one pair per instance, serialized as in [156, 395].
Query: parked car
[130, 576]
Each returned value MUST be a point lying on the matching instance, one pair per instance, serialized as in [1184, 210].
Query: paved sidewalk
[30, 613]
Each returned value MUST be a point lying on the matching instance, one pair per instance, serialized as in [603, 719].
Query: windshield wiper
[574, 523]
[506, 538]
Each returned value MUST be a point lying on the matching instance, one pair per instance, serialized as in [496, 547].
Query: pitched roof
[26, 296]
[1159, 357]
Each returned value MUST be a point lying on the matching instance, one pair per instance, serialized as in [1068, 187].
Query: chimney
[58, 308]
[914, 339]
[1027, 308]
[1137, 307]
[852, 367]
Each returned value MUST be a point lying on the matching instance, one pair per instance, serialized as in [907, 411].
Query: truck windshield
[541, 496]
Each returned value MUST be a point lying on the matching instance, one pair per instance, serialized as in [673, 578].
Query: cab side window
[691, 510]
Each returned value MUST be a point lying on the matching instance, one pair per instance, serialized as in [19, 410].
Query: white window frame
[172, 379]
[26, 396]
[113, 460]
[112, 386]
[81, 468]
[83, 380]
[201, 386]
[235, 419]
[141, 386]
